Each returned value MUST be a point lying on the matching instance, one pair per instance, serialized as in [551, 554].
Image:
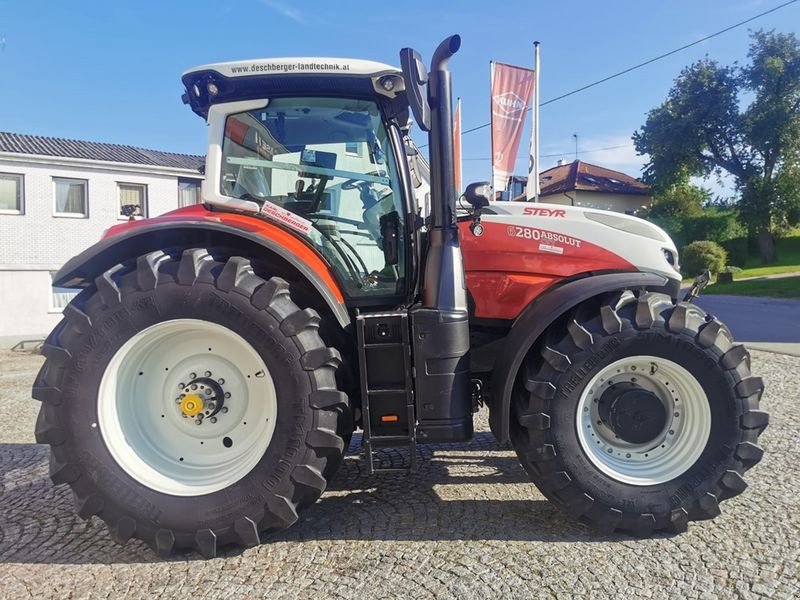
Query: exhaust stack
[441, 324]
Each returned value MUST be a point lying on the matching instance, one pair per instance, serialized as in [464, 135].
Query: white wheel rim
[144, 426]
[674, 450]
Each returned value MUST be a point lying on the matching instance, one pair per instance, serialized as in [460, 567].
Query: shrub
[737, 251]
[701, 255]
[714, 224]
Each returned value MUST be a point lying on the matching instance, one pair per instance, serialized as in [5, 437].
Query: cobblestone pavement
[467, 525]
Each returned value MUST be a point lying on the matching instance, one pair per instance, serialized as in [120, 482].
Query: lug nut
[198, 421]
[192, 375]
[224, 409]
[181, 385]
[208, 373]
[211, 406]
[194, 386]
[221, 381]
[213, 419]
[208, 391]
[227, 394]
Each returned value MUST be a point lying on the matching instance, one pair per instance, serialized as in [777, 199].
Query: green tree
[705, 127]
[680, 199]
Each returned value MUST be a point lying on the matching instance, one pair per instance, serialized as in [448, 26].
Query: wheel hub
[634, 414]
[191, 405]
[202, 398]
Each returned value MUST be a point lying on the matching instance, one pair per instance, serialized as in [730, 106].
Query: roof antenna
[575, 135]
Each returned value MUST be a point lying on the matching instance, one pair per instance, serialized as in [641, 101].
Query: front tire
[638, 414]
[190, 403]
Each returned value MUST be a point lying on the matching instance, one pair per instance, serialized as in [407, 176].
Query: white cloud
[284, 9]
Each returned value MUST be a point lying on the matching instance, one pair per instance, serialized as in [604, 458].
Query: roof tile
[48, 146]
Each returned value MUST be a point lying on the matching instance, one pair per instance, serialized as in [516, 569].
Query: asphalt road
[468, 524]
[756, 319]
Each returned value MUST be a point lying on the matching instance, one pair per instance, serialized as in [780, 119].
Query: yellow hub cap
[192, 405]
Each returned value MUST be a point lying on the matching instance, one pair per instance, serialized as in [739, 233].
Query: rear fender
[538, 316]
[269, 243]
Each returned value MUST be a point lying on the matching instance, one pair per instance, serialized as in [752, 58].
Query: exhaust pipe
[441, 324]
[444, 285]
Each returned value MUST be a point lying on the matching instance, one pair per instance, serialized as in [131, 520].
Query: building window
[188, 192]
[132, 200]
[60, 297]
[71, 197]
[11, 194]
[352, 148]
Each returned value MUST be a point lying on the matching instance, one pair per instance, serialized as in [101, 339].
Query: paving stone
[468, 524]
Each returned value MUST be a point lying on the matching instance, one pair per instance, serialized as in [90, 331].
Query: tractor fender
[538, 316]
[81, 270]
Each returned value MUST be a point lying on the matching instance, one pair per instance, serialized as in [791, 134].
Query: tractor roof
[297, 65]
[250, 79]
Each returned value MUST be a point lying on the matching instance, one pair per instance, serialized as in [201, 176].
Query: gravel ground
[466, 525]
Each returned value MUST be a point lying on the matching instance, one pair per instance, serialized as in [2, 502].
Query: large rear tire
[190, 403]
[638, 414]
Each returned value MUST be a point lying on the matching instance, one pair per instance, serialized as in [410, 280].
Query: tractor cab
[314, 145]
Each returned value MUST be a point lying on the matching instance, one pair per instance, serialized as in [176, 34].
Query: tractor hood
[553, 242]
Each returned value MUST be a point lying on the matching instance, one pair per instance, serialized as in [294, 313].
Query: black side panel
[535, 319]
[442, 375]
[80, 271]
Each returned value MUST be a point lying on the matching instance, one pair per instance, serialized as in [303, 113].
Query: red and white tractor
[204, 385]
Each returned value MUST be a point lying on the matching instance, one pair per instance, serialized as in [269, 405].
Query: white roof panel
[297, 65]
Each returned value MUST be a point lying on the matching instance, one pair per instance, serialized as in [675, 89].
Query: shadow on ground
[474, 491]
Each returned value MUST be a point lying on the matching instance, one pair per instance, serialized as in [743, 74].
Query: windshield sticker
[530, 233]
[541, 211]
[286, 217]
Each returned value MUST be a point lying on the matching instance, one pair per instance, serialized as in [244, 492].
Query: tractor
[204, 385]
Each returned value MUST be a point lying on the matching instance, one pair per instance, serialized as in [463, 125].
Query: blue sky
[110, 71]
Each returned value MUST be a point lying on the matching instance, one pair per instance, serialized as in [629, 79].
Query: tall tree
[706, 126]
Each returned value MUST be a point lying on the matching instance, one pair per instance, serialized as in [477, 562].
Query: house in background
[583, 184]
[57, 197]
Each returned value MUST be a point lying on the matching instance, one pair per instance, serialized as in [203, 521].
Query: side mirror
[416, 80]
[478, 194]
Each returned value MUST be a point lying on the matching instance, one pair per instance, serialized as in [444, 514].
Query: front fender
[535, 320]
[260, 238]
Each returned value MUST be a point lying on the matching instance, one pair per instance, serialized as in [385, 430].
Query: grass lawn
[787, 287]
[788, 249]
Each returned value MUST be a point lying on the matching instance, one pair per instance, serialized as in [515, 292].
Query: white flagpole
[491, 121]
[537, 68]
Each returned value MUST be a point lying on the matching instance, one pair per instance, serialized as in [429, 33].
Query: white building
[57, 197]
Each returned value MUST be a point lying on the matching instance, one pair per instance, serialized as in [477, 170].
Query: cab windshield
[329, 161]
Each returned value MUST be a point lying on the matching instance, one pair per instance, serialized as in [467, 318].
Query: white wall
[35, 243]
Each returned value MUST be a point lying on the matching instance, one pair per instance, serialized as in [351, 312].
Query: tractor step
[387, 393]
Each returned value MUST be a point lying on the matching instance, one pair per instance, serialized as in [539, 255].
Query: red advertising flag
[512, 88]
[457, 146]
